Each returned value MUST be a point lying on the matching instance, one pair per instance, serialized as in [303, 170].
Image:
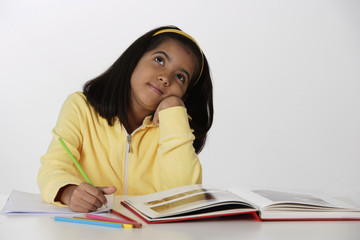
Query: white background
[286, 83]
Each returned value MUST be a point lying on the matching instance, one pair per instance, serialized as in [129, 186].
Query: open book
[197, 201]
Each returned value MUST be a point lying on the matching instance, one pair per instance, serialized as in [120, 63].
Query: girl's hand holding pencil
[85, 197]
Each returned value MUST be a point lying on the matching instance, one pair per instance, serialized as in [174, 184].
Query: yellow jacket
[155, 159]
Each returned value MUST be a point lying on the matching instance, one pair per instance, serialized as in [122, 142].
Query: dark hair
[109, 93]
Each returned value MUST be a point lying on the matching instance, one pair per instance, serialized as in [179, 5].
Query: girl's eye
[159, 60]
[180, 77]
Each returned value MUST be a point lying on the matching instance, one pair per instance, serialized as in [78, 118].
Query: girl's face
[161, 72]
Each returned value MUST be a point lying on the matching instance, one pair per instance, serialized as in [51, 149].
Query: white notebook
[31, 203]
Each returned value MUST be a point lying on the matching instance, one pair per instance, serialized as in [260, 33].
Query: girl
[136, 128]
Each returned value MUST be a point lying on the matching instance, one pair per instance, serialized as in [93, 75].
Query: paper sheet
[31, 203]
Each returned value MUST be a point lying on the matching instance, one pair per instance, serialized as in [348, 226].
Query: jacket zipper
[127, 162]
[128, 138]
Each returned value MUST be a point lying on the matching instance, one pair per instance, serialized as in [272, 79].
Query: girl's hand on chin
[167, 102]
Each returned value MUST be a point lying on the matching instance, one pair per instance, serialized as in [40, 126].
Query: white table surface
[239, 227]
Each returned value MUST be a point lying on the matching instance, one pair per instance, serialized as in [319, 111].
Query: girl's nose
[164, 80]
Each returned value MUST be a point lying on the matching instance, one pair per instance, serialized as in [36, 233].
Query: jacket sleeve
[57, 169]
[177, 160]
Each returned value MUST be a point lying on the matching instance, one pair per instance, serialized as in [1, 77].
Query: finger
[107, 190]
[88, 194]
[79, 204]
[156, 118]
[95, 197]
[82, 206]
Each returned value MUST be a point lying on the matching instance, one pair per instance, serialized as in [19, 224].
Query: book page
[255, 199]
[286, 199]
[184, 199]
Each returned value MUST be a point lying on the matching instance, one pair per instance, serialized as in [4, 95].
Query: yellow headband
[170, 30]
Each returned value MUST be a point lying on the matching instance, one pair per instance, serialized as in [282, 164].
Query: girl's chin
[151, 108]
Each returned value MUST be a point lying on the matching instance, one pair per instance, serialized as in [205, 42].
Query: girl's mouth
[155, 89]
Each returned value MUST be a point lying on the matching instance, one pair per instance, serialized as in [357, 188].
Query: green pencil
[75, 161]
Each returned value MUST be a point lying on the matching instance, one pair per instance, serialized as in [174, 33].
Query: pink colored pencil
[102, 218]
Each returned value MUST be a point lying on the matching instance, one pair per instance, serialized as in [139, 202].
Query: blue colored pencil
[91, 222]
